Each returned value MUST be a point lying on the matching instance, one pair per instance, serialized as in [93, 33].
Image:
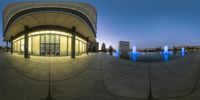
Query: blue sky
[145, 23]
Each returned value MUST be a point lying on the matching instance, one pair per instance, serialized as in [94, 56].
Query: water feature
[116, 53]
[165, 49]
[182, 51]
[134, 54]
[166, 53]
[134, 50]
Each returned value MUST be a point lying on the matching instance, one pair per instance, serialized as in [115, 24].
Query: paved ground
[98, 77]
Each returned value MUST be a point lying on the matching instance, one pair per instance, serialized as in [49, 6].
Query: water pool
[150, 56]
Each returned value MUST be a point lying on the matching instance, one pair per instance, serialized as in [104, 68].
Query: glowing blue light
[133, 55]
[166, 53]
[166, 57]
[165, 49]
[116, 53]
[182, 51]
[134, 49]
[117, 50]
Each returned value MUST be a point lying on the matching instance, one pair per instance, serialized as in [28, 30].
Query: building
[50, 28]
[124, 46]
[187, 48]
[94, 47]
[158, 49]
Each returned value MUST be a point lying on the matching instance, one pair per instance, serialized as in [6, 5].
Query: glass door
[52, 49]
[47, 49]
[42, 49]
[50, 45]
[57, 49]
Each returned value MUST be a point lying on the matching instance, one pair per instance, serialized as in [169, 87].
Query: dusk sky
[145, 23]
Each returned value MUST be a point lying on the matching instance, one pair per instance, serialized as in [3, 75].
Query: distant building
[124, 46]
[151, 50]
[187, 48]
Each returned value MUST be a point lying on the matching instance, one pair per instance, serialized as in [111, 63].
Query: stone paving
[98, 76]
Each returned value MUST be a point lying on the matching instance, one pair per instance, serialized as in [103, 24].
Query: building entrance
[50, 49]
[49, 45]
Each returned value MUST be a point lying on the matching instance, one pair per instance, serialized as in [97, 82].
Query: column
[87, 48]
[6, 46]
[26, 55]
[73, 42]
[12, 38]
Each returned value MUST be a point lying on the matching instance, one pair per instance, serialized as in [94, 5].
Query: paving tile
[97, 76]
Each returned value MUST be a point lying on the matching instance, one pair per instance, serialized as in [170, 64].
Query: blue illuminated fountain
[182, 51]
[116, 53]
[166, 53]
[134, 54]
[134, 50]
[166, 49]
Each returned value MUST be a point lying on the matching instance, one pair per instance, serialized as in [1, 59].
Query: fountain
[134, 54]
[117, 53]
[182, 51]
[166, 53]
[166, 57]
[165, 49]
[134, 50]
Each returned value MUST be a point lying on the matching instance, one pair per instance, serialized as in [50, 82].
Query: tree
[158, 49]
[110, 50]
[188, 49]
[175, 50]
[103, 48]
[192, 48]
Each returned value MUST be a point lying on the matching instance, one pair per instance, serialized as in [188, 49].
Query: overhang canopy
[64, 14]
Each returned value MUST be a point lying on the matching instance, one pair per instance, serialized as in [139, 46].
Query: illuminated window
[50, 42]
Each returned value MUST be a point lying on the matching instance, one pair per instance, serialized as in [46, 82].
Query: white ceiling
[49, 18]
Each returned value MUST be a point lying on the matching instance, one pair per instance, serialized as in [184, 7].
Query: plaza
[98, 76]
[42, 38]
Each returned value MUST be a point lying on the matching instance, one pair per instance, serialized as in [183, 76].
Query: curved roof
[34, 14]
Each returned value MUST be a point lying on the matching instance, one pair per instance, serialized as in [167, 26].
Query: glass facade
[49, 43]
